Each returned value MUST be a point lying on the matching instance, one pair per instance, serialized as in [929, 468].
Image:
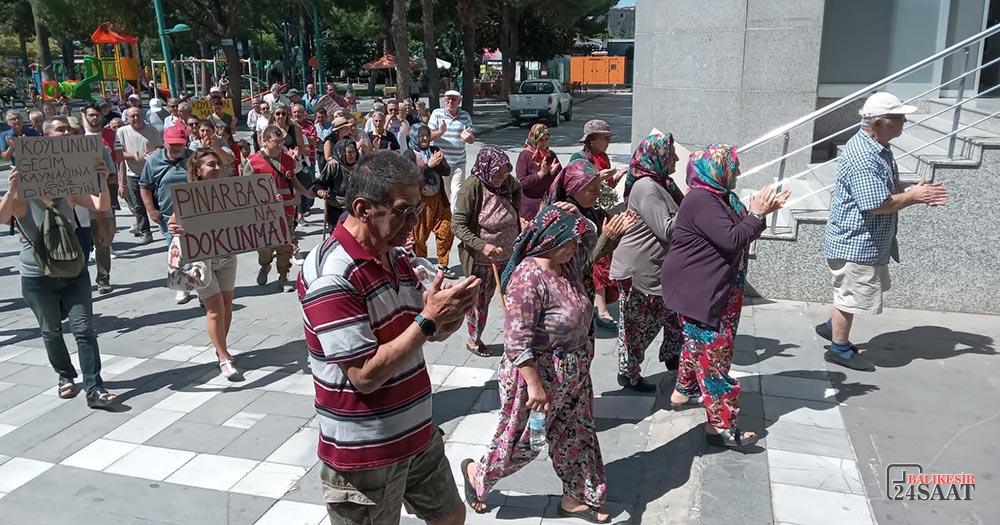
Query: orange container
[597, 70]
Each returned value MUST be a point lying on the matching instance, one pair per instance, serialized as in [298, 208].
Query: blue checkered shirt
[867, 177]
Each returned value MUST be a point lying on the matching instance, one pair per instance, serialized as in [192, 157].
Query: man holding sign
[271, 160]
[53, 268]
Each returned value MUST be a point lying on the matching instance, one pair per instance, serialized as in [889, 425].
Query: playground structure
[78, 89]
[189, 71]
[117, 54]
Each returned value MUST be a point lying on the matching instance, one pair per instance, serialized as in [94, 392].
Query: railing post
[958, 108]
[781, 176]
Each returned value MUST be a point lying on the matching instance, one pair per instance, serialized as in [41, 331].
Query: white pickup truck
[541, 99]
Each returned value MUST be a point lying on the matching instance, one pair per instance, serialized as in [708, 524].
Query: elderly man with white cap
[861, 229]
[451, 129]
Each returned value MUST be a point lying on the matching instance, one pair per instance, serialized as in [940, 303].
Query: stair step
[972, 111]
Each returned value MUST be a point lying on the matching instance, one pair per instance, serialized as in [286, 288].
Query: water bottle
[424, 270]
[536, 424]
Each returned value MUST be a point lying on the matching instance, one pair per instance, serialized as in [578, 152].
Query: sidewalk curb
[486, 130]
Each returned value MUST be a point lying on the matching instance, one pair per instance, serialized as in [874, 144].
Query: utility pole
[165, 46]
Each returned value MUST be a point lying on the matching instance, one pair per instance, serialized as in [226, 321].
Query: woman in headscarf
[486, 223]
[703, 276]
[436, 215]
[537, 166]
[580, 184]
[651, 194]
[546, 367]
[329, 186]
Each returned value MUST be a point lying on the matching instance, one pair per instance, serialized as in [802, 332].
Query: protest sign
[57, 166]
[229, 216]
[326, 102]
[202, 107]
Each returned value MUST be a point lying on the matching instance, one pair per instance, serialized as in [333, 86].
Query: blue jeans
[51, 299]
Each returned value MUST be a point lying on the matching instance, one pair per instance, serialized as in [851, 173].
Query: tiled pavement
[193, 449]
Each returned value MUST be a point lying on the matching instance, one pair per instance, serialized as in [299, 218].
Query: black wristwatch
[428, 327]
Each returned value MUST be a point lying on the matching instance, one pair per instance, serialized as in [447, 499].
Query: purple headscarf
[572, 179]
[490, 160]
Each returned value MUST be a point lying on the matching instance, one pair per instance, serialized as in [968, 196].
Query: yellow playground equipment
[118, 54]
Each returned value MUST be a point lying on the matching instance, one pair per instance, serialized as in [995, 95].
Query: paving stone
[196, 437]
[30, 374]
[282, 404]
[794, 504]
[108, 498]
[620, 440]
[221, 408]
[735, 500]
[808, 439]
[17, 394]
[309, 488]
[264, 437]
[813, 471]
[52, 423]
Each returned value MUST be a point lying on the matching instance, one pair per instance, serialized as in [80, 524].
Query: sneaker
[93, 257]
[104, 288]
[855, 362]
[146, 238]
[284, 284]
[182, 297]
[262, 276]
[823, 330]
[134, 230]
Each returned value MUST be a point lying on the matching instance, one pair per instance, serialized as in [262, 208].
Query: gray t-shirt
[29, 230]
[130, 141]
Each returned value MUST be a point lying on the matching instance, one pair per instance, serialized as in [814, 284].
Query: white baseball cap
[883, 103]
[452, 93]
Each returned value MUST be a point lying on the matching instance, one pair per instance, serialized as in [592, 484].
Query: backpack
[57, 250]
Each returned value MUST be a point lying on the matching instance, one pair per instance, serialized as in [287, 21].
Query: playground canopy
[105, 35]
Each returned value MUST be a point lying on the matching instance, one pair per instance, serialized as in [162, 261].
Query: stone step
[972, 111]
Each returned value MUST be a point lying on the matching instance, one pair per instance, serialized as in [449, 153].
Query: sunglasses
[280, 113]
[408, 212]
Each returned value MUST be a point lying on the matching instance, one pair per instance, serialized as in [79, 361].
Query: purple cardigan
[533, 186]
[709, 243]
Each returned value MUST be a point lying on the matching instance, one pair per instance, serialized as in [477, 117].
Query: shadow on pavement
[771, 347]
[900, 348]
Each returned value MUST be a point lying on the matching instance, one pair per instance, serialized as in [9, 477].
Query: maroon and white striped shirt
[351, 304]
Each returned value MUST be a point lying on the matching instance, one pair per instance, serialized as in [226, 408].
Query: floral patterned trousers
[436, 219]
[642, 317]
[476, 318]
[569, 427]
[705, 362]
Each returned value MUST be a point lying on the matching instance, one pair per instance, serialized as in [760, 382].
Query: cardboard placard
[229, 216]
[58, 166]
[202, 107]
[326, 102]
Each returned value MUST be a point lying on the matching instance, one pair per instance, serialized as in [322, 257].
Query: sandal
[692, 402]
[229, 371]
[606, 322]
[470, 491]
[67, 388]
[730, 439]
[101, 399]
[588, 514]
[480, 349]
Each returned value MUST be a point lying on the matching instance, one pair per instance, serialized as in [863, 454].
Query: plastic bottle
[536, 424]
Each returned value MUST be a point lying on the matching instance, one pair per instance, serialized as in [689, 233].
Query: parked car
[541, 99]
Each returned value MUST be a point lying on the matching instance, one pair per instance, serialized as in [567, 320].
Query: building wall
[621, 22]
[729, 75]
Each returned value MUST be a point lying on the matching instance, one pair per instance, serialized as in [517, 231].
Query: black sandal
[470, 491]
[692, 402]
[67, 388]
[101, 399]
[589, 514]
[730, 438]
[479, 350]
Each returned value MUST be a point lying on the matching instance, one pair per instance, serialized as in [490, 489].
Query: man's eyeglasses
[408, 212]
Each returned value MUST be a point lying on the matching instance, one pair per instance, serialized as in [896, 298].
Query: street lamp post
[165, 44]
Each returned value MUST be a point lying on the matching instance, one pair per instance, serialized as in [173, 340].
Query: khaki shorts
[857, 288]
[223, 277]
[375, 496]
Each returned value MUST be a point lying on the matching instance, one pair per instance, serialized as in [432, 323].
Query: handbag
[186, 276]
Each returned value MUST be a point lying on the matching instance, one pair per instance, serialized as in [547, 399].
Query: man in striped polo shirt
[366, 318]
[451, 129]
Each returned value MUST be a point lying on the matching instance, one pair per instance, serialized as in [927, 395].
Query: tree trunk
[44, 53]
[23, 43]
[508, 47]
[401, 39]
[66, 48]
[467, 18]
[234, 69]
[430, 56]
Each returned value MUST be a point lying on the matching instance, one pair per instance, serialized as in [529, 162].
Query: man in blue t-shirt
[17, 129]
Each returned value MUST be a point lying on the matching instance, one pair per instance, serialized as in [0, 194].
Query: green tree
[401, 43]
[430, 54]
[16, 18]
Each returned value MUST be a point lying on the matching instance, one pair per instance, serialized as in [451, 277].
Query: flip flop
[481, 350]
[590, 514]
[730, 438]
[470, 491]
[692, 402]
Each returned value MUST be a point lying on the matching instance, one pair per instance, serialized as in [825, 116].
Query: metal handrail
[761, 167]
[830, 108]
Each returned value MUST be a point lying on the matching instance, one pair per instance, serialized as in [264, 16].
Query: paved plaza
[192, 448]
